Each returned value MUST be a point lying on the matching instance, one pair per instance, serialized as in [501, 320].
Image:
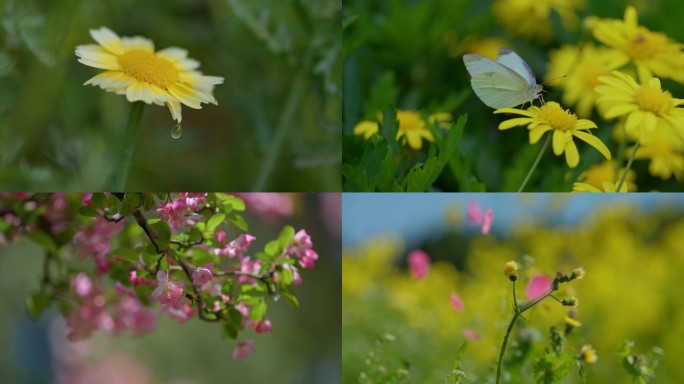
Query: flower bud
[571, 302]
[588, 354]
[511, 270]
[577, 273]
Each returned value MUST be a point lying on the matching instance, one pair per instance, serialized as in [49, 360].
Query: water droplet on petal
[177, 131]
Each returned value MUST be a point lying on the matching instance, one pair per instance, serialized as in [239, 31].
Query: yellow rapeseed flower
[607, 171]
[653, 53]
[565, 126]
[576, 70]
[532, 18]
[411, 125]
[133, 68]
[645, 107]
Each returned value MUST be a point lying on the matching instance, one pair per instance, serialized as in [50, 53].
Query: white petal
[108, 39]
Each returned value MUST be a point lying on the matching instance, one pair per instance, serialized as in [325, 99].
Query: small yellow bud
[578, 273]
[511, 270]
[588, 354]
[572, 323]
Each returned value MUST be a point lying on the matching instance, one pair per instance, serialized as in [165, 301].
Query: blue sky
[416, 215]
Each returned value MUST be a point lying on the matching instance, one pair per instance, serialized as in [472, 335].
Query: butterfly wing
[495, 84]
[511, 60]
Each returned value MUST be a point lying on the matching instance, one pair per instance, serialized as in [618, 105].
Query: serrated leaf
[286, 236]
[88, 211]
[99, 200]
[215, 221]
[36, 304]
[258, 311]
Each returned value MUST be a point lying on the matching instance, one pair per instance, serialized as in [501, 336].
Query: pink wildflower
[263, 326]
[538, 286]
[470, 334]
[202, 275]
[419, 262]
[456, 302]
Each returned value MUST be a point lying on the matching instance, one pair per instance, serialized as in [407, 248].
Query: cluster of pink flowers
[128, 313]
[180, 212]
[94, 241]
[302, 247]
[271, 206]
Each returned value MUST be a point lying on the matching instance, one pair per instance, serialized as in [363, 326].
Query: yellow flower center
[653, 99]
[645, 44]
[148, 67]
[558, 117]
[410, 121]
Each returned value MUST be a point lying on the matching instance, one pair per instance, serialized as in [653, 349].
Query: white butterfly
[503, 83]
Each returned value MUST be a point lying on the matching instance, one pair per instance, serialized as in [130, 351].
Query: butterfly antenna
[554, 79]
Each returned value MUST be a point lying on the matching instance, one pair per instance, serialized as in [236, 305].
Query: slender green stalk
[536, 162]
[126, 156]
[281, 131]
[629, 165]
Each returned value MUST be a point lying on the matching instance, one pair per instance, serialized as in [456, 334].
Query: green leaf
[36, 304]
[285, 277]
[162, 232]
[130, 203]
[230, 330]
[239, 222]
[202, 257]
[292, 299]
[286, 236]
[99, 200]
[88, 211]
[230, 202]
[126, 253]
[258, 311]
[375, 170]
[382, 94]
[43, 239]
[273, 248]
[215, 221]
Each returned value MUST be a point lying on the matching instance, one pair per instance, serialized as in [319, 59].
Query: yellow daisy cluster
[603, 77]
[412, 126]
[532, 18]
[133, 68]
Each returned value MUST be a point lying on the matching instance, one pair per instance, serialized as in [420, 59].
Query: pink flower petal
[474, 214]
[471, 335]
[538, 286]
[487, 221]
[456, 302]
[419, 262]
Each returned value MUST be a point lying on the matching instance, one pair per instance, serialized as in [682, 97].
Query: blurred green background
[420, 44]
[304, 346]
[275, 55]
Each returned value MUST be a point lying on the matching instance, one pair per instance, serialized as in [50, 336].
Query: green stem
[536, 162]
[126, 156]
[517, 312]
[629, 165]
[281, 131]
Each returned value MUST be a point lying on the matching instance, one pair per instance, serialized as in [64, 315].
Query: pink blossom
[193, 200]
[471, 335]
[131, 315]
[247, 266]
[177, 213]
[538, 286]
[237, 247]
[487, 221]
[271, 206]
[180, 311]
[477, 218]
[243, 350]
[297, 277]
[124, 290]
[307, 261]
[81, 284]
[474, 214]
[220, 236]
[88, 317]
[95, 241]
[263, 326]
[419, 262]
[302, 246]
[202, 275]
[167, 292]
[456, 302]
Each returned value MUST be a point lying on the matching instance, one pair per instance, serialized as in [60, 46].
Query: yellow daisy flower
[411, 125]
[133, 68]
[643, 106]
[665, 149]
[565, 126]
[606, 186]
[576, 69]
[532, 18]
[607, 171]
[651, 52]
